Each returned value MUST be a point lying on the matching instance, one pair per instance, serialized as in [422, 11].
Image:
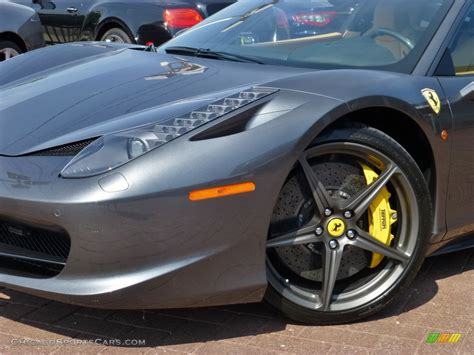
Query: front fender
[401, 93]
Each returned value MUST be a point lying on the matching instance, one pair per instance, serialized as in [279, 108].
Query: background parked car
[20, 30]
[127, 21]
[323, 17]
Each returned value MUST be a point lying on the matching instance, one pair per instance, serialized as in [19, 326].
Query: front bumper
[136, 249]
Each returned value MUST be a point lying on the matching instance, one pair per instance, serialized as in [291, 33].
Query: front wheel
[349, 230]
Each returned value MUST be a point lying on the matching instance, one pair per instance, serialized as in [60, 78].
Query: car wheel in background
[8, 50]
[117, 35]
[349, 229]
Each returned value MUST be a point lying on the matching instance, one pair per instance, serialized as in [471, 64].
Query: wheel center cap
[336, 227]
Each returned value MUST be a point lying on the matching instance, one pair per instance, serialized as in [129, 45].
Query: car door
[459, 88]
[61, 19]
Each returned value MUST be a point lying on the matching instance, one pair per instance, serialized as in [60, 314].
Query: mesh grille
[65, 150]
[32, 240]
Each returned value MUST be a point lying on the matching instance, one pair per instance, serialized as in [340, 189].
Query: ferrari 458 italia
[245, 159]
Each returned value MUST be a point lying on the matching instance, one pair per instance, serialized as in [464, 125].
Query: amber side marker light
[221, 191]
[444, 135]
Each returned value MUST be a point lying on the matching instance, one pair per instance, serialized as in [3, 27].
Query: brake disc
[343, 179]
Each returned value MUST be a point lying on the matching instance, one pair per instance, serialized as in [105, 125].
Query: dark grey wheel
[116, 35]
[8, 50]
[349, 228]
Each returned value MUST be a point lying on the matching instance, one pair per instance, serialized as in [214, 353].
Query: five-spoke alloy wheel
[349, 228]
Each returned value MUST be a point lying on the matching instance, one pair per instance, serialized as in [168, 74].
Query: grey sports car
[20, 30]
[247, 158]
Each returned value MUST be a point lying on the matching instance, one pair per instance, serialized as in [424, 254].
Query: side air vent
[65, 150]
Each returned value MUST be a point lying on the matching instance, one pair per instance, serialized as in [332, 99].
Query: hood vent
[71, 149]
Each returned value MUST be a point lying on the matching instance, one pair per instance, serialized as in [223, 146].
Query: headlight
[113, 150]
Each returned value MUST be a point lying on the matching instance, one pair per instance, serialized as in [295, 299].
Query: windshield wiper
[207, 53]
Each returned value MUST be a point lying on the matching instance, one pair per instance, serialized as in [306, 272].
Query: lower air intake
[33, 249]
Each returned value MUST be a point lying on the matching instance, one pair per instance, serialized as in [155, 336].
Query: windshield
[322, 34]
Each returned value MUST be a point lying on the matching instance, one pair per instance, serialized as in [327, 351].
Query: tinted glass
[462, 48]
[382, 34]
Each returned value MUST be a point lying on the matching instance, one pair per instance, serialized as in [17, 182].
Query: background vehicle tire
[321, 277]
[8, 50]
[117, 35]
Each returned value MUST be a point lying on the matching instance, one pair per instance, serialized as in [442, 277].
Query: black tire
[8, 45]
[380, 142]
[117, 35]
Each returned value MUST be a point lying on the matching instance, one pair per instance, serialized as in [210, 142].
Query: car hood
[112, 88]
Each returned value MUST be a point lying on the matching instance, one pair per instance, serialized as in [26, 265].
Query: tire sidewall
[11, 45]
[126, 37]
[381, 142]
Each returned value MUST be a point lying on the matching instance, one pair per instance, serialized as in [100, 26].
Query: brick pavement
[440, 300]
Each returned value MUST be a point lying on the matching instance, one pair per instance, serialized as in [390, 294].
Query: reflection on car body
[178, 68]
[125, 21]
[314, 169]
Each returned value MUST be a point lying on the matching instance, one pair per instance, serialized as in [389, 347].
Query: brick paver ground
[440, 300]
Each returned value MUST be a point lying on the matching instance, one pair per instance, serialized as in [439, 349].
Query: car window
[322, 34]
[462, 47]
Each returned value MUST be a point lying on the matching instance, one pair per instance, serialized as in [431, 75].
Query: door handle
[468, 91]
[71, 10]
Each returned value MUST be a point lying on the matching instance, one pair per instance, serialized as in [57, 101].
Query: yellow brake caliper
[381, 215]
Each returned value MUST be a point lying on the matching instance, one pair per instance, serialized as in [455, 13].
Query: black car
[230, 165]
[125, 21]
[20, 30]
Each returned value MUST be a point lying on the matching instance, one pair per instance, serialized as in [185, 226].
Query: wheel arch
[109, 23]
[15, 38]
[406, 132]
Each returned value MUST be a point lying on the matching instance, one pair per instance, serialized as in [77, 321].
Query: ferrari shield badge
[433, 99]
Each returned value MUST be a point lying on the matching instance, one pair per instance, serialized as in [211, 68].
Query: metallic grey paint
[147, 245]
